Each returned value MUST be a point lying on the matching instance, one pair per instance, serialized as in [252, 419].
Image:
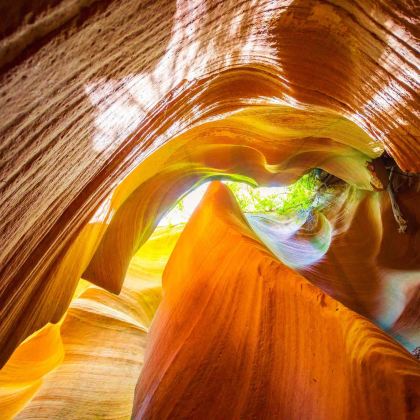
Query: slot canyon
[304, 306]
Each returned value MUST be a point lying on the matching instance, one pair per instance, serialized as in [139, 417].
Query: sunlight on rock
[209, 209]
[251, 199]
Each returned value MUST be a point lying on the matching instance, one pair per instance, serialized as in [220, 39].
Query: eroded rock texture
[113, 109]
[97, 348]
[239, 335]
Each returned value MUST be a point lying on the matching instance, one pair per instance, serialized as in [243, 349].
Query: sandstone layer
[240, 335]
[112, 110]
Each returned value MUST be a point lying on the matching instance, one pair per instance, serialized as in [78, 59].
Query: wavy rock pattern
[352, 250]
[369, 266]
[138, 74]
[21, 377]
[103, 338]
[240, 335]
[113, 109]
[96, 351]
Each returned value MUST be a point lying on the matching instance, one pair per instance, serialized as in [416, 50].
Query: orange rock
[90, 89]
[240, 335]
[111, 110]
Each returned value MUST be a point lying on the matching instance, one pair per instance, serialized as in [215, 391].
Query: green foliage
[180, 205]
[298, 197]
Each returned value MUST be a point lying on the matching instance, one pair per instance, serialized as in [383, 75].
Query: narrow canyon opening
[209, 209]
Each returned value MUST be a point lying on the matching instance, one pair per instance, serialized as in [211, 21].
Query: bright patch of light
[186, 206]
[103, 213]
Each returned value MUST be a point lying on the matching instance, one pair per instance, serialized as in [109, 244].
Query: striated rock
[240, 335]
[261, 150]
[22, 376]
[369, 266]
[103, 338]
[90, 89]
[96, 350]
[111, 110]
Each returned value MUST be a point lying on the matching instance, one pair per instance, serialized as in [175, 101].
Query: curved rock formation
[112, 110]
[96, 350]
[22, 376]
[240, 335]
[64, 151]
